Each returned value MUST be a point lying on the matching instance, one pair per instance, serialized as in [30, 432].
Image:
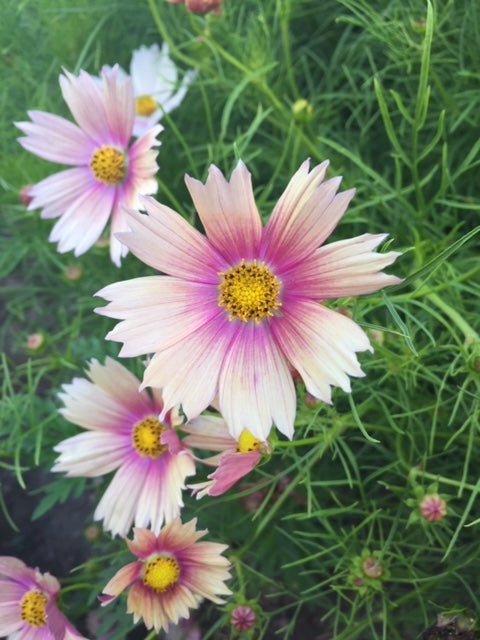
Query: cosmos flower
[155, 85]
[107, 175]
[28, 610]
[241, 307]
[124, 434]
[173, 574]
[236, 458]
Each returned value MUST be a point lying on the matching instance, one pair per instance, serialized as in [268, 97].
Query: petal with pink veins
[255, 386]
[321, 345]
[344, 268]
[165, 241]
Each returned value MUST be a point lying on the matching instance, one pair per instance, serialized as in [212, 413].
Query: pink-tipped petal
[209, 433]
[119, 105]
[55, 139]
[228, 212]
[232, 467]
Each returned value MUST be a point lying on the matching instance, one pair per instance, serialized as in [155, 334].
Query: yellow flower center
[32, 608]
[160, 573]
[146, 438]
[108, 165]
[249, 291]
[145, 105]
[247, 442]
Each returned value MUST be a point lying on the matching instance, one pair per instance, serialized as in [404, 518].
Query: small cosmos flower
[28, 610]
[124, 434]
[155, 85]
[236, 458]
[107, 175]
[173, 574]
[241, 307]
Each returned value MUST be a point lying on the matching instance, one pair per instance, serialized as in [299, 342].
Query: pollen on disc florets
[145, 105]
[249, 291]
[32, 608]
[160, 573]
[146, 437]
[108, 165]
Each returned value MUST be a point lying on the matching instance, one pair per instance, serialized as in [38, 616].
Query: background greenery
[388, 90]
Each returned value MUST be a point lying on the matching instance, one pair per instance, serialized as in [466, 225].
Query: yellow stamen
[145, 105]
[249, 291]
[248, 442]
[108, 165]
[146, 438]
[32, 608]
[160, 573]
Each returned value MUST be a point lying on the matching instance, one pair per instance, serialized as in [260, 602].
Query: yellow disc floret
[145, 105]
[249, 291]
[146, 437]
[160, 573]
[32, 608]
[108, 165]
[248, 442]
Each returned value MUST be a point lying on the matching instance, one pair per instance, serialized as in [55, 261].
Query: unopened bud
[243, 618]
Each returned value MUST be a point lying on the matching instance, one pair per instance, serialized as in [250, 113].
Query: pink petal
[345, 268]
[118, 505]
[55, 139]
[165, 241]
[59, 191]
[303, 217]
[255, 386]
[232, 467]
[188, 370]
[123, 579]
[228, 212]
[158, 312]
[10, 620]
[119, 105]
[86, 103]
[121, 384]
[83, 222]
[208, 433]
[91, 454]
[142, 156]
[321, 345]
[143, 543]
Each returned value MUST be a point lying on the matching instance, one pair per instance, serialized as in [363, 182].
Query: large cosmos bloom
[124, 434]
[155, 85]
[173, 574]
[28, 610]
[241, 307]
[107, 174]
[235, 458]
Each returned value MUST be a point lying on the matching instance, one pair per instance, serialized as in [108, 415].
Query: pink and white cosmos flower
[28, 610]
[243, 305]
[107, 175]
[124, 434]
[174, 573]
[235, 459]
